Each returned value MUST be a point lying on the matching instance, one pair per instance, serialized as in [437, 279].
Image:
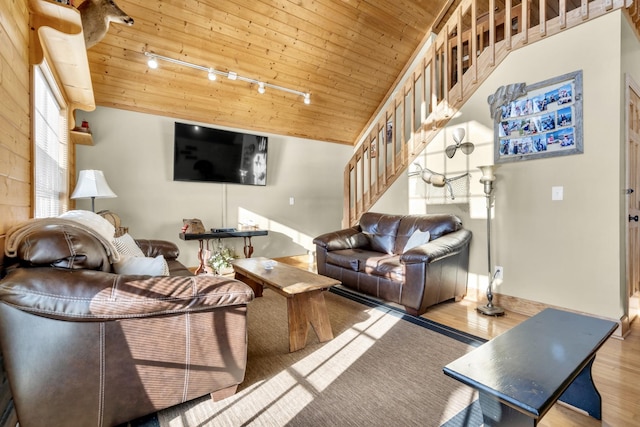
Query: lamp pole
[487, 179]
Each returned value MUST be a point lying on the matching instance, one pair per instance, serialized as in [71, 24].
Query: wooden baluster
[563, 14]
[444, 67]
[542, 13]
[525, 21]
[473, 46]
[348, 213]
[507, 24]
[492, 32]
[433, 86]
[584, 9]
[459, 64]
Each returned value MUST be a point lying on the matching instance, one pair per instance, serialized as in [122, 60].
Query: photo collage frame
[545, 122]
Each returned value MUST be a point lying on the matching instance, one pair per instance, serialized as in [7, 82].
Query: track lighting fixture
[212, 74]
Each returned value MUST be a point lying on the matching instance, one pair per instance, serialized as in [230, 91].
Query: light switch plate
[557, 193]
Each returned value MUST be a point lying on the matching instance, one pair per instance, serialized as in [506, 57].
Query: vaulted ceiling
[346, 53]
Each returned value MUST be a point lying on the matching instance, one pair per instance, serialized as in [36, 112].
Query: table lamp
[92, 184]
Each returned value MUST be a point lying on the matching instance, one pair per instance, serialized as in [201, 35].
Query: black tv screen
[214, 155]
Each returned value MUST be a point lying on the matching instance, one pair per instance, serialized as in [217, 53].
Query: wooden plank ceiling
[346, 53]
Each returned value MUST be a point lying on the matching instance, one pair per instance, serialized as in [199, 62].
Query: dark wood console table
[520, 374]
[202, 237]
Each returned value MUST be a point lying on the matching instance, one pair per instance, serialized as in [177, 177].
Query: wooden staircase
[446, 76]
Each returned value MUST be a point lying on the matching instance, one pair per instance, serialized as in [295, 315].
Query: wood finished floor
[616, 370]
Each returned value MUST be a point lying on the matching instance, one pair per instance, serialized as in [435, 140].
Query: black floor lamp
[487, 179]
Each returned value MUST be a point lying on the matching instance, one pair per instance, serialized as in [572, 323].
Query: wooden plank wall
[15, 146]
[15, 122]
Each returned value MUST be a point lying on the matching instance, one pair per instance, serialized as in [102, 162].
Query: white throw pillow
[142, 265]
[93, 221]
[417, 238]
[127, 246]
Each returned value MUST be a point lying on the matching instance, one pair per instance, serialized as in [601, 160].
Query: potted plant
[220, 261]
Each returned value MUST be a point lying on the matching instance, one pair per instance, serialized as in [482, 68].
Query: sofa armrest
[153, 248]
[439, 248]
[348, 238]
[87, 295]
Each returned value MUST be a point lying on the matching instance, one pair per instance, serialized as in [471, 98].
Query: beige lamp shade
[92, 184]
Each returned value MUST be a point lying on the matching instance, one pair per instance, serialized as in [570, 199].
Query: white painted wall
[135, 151]
[566, 253]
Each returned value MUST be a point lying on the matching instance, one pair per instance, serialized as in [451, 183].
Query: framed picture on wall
[539, 120]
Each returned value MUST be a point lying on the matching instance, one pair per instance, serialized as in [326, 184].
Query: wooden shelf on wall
[80, 137]
[59, 39]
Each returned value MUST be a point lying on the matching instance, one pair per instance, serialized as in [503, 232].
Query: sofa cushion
[147, 266]
[343, 260]
[418, 238]
[127, 246]
[436, 224]
[381, 230]
[352, 259]
[385, 266]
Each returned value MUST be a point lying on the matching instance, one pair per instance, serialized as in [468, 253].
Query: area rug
[382, 368]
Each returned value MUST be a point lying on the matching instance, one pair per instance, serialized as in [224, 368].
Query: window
[50, 161]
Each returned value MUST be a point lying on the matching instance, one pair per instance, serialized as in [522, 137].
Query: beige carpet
[379, 370]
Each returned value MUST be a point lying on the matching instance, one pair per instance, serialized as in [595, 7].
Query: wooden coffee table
[303, 290]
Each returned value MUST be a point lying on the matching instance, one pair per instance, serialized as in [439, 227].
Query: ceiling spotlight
[232, 75]
[212, 75]
[152, 63]
[307, 98]
[261, 87]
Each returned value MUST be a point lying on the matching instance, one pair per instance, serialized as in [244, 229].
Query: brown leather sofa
[86, 347]
[373, 258]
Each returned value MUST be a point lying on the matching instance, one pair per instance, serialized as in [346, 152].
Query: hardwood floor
[616, 370]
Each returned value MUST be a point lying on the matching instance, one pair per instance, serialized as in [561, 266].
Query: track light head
[261, 87]
[307, 98]
[212, 75]
[152, 62]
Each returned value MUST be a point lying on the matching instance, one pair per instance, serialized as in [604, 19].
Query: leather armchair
[86, 347]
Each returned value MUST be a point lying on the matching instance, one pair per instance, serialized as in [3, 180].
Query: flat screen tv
[214, 155]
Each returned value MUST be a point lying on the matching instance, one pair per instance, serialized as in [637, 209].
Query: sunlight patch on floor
[463, 394]
[289, 392]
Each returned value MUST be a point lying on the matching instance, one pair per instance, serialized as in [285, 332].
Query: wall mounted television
[213, 155]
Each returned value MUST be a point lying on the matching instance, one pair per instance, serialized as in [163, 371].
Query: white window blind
[50, 152]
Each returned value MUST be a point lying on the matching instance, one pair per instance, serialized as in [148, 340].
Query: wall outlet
[499, 272]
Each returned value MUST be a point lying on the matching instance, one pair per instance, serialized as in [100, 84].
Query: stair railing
[445, 77]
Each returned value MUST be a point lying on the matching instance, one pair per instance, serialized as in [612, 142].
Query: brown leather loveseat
[413, 260]
[84, 346]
